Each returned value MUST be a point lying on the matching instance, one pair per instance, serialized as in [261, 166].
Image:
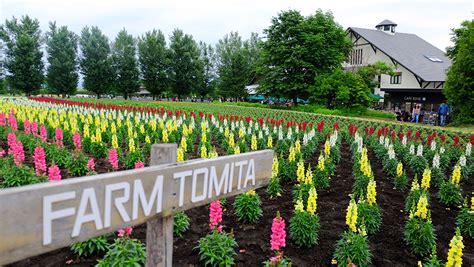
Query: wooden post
[159, 231]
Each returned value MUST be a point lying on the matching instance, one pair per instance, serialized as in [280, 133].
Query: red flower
[443, 137]
[456, 140]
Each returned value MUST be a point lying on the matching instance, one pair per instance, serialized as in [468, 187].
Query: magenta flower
[215, 215]
[125, 232]
[76, 139]
[34, 128]
[91, 165]
[3, 119]
[139, 165]
[40, 161]
[27, 127]
[43, 133]
[113, 159]
[54, 174]
[58, 134]
[2, 153]
[18, 153]
[12, 122]
[11, 141]
[278, 233]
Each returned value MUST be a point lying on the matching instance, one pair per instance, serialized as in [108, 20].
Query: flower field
[342, 191]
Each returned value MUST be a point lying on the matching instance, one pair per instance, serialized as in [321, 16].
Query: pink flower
[91, 165]
[34, 128]
[278, 233]
[113, 159]
[3, 119]
[76, 139]
[43, 133]
[139, 165]
[12, 122]
[54, 174]
[2, 153]
[215, 215]
[125, 232]
[275, 260]
[18, 153]
[40, 161]
[27, 127]
[58, 134]
[11, 141]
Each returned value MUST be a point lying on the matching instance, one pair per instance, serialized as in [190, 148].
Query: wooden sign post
[39, 218]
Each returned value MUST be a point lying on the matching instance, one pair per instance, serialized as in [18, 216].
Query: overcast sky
[209, 20]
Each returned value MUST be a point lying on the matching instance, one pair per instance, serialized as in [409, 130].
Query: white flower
[391, 152]
[274, 129]
[419, 151]
[387, 142]
[404, 141]
[260, 134]
[433, 145]
[442, 150]
[305, 139]
[221, 130]
[381, 140]
[468, 149]
[462, 161]
[436, 161]
[412, 149]
[280, 134]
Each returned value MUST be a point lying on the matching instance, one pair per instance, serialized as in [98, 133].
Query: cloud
[210, 20]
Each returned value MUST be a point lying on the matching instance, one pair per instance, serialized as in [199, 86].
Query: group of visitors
[419, 115]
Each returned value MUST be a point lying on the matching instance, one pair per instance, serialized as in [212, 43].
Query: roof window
[434, 58]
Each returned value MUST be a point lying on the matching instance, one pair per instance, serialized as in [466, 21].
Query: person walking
[416, 113]
[443, 111]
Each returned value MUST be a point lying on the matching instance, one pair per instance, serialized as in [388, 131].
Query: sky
[210, 20]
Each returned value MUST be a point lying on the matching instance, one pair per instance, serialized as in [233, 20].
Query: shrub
[217, 249]
[465, 220]
[450, 194]
[77, 165]
[90, 247]
[359, 188]
[304, 228]
[14, 176]
[124, 252]
[248, 207]
[401, 182]
[181, 224]
[274, 188]
[352, 248]
[370, 216]
[420, 236]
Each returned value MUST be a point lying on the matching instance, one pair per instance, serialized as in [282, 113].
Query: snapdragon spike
[43, 133]
[58, 134]
[278, 233]
[113, 159]
[54, 174]
[215, 216]
[40, 161]
[76, 139]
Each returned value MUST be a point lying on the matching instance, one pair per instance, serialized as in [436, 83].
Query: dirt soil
[388, 246]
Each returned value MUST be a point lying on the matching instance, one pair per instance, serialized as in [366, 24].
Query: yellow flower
[299, 205]
[327, 149]
[251, 193]
[236, 150]
[312, 206]
[184, 144]
[226, 132]
[179, 155]
[425, 181]
[321, 161]
[456, 177]
[241, 133]
[86, 131]
[275, 166]
[300, 172]
[455, 251]
[291, 155]
[153, 125]
[351, 216]
[371, 192]
[472, 203]
[422, 207]
[399, 169]
[297, 146]
[131, 145]
[115, 141]
[231, 140]
[213, 154]
[309, 176]
[203, 151]
[253, 145]
[203, 137]
[142, 129]
[98, 135]
[165, 136]
[415, 185]
[147, 139]
[269, 142]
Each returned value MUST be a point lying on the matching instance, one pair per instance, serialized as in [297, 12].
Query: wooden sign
[43, 217]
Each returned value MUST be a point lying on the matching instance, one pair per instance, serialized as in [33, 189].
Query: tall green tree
[297, 50]
[460, 81]
[208, 59]
[236, 60]
[186, 66]
[154, 62]
[2, 68]
[370, 72]
[96, 61]
[62, 76]
[124, 57]
[23, 60]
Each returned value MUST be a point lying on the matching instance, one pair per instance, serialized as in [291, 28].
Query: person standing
[443, 111]
[416, 113]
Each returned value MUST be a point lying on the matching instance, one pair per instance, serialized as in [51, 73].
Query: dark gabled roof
[386, 22]
[410, 51]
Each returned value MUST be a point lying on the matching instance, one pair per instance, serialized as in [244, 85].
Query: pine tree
[125, 64]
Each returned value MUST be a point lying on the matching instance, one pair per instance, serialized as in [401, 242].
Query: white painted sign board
[43, 217]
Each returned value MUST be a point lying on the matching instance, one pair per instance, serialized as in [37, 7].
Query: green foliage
[401, 181]
[301, 191]
[23, 59]
[412, 199]
[98, 149]
[359, 188]
[154, 62]
[465, 221]
[368, 72]
[284, 262]
[56, 155]
[433, 259]
[14, 176]
[297, 50]
[96, 61]
[125, 64]
[370, 216]
[450, 194]
[77, 165]
[459, 82]
[208, 59]
[124, 252]
[287, 170]
[420, 236]
[89, 247]
[274, 188]
[248, 207]
[181, 224]
[352, 248]
[185, 64]
[132, 158]
[304, 228]
[321, 178]
[62, 76]
[418, 164]
[437, 177]
[217, 249]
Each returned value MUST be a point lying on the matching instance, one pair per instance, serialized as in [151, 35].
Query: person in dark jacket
[443, 111]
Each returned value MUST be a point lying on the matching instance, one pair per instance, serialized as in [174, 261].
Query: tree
[186, 68]
[460, 81]
[125, 64]
[236, 60]
[23, 56]
[62, 76]
[297, 50]
[369, 73]
[209, 80]
[341, 89]
[154, 62]
[96, 61]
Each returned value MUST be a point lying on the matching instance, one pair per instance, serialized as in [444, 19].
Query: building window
[355, 57]
[396, 79]
[386, 27]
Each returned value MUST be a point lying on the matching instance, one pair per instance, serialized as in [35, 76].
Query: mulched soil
[388, 246]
